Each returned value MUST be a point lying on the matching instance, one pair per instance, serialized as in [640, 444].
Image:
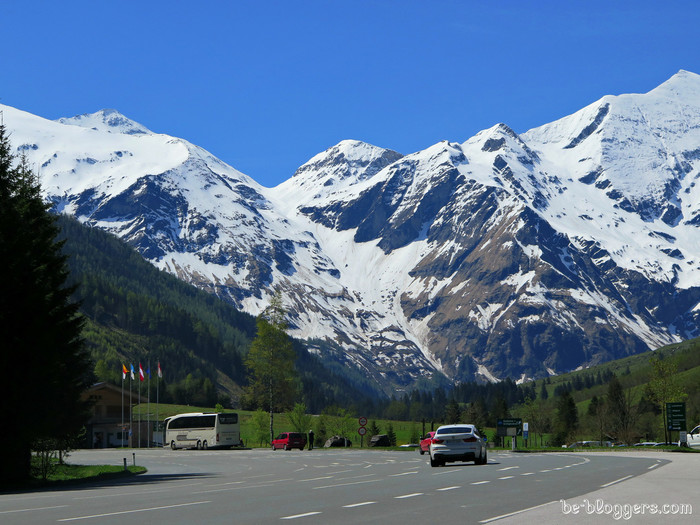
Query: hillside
[137, 313]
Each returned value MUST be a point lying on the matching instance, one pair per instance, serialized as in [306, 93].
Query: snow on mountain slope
[506, 255]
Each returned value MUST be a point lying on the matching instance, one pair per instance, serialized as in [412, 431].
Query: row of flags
[142, 374]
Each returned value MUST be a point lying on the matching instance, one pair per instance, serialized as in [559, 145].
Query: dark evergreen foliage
[43, 353]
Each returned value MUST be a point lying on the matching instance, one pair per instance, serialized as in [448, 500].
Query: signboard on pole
[509, 427]
[675, 416]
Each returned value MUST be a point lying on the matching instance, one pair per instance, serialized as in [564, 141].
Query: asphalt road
[325, 486]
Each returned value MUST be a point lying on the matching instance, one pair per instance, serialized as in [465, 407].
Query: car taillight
[436, 441]
[469, 440]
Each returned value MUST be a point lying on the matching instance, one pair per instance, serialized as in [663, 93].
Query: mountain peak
[683, 84]
[109, 120]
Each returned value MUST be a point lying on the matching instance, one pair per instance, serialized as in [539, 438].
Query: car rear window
[294, 435]
[455, 430]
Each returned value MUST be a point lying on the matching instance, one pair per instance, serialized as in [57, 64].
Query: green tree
[260, 430]
[391, 434]
[621, 417]
[567, 419]
[299, 419]
[453, 414]
[39, 322]
[270, 362]
[373, 429]
[663, 386]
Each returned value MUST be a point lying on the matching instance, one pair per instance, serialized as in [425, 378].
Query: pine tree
[39, 323]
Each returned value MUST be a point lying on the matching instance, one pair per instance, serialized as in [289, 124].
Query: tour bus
[202, 431]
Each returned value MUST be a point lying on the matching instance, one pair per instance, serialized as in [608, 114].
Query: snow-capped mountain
[506, 255]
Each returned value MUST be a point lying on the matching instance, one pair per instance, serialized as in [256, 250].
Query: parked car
[694, 437]
[289, 440]
[425, 443]
[460, 442]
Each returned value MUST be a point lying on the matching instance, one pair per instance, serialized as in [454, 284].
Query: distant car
[289, 440]
[694, 437]
[460, 442]
[425, 443]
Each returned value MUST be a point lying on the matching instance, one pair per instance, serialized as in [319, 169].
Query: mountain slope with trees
[137, 313]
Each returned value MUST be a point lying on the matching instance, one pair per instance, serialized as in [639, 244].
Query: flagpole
[140, 381]
[122, 428]
[131, 406]
[148, 414]
[162, 430]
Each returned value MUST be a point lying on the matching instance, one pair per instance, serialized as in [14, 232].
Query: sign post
[675, 417]
[510, 427]
[362, 430]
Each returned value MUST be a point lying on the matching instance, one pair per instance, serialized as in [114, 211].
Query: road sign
[362, 421]
[509, 427]
[362, 431]
[675, 416]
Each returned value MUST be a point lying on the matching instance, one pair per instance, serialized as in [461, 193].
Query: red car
[289, 440]
[425, 443]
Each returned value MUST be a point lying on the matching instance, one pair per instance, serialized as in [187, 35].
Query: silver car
[457, 443]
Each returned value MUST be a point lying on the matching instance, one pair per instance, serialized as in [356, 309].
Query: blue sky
[266, 85]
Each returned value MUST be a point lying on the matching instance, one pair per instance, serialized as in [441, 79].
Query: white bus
[202, 431]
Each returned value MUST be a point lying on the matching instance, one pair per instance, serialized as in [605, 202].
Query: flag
[160, 372]
[148, 372]
[124, 371]
[132, 372]
[140, 372]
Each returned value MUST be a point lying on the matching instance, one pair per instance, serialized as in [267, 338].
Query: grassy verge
[73, 474]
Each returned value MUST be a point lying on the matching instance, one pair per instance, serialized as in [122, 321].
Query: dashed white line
[616, 481]
[413, 495]
[507, 468]
[403, 474]
[653, 466]
[362, 504]
[29, 510]
[515, 513]
[134, 511]
[480, 482]
[527, 474]
[295, 516]
[449, 488]
[507, 477]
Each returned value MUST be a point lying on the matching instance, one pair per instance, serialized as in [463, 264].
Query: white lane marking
[507, 468]
[450, 488]
[315, 479]
[616, 481]
[413, 495]
[527, 474]
[362, 504]
[546, 470]
[653, 466]
[480, 482]
[345, 484]
[134, 511]
[507, 477]
[516, 512]
[28, 510]
[122, 494]
[295, 516]
[403, 473]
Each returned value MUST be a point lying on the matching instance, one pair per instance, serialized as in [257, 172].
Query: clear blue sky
[266, 85]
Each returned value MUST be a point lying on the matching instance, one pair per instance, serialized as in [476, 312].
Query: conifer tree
[39, 323]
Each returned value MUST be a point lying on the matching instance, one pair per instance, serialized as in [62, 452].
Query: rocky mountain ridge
[506, 255]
